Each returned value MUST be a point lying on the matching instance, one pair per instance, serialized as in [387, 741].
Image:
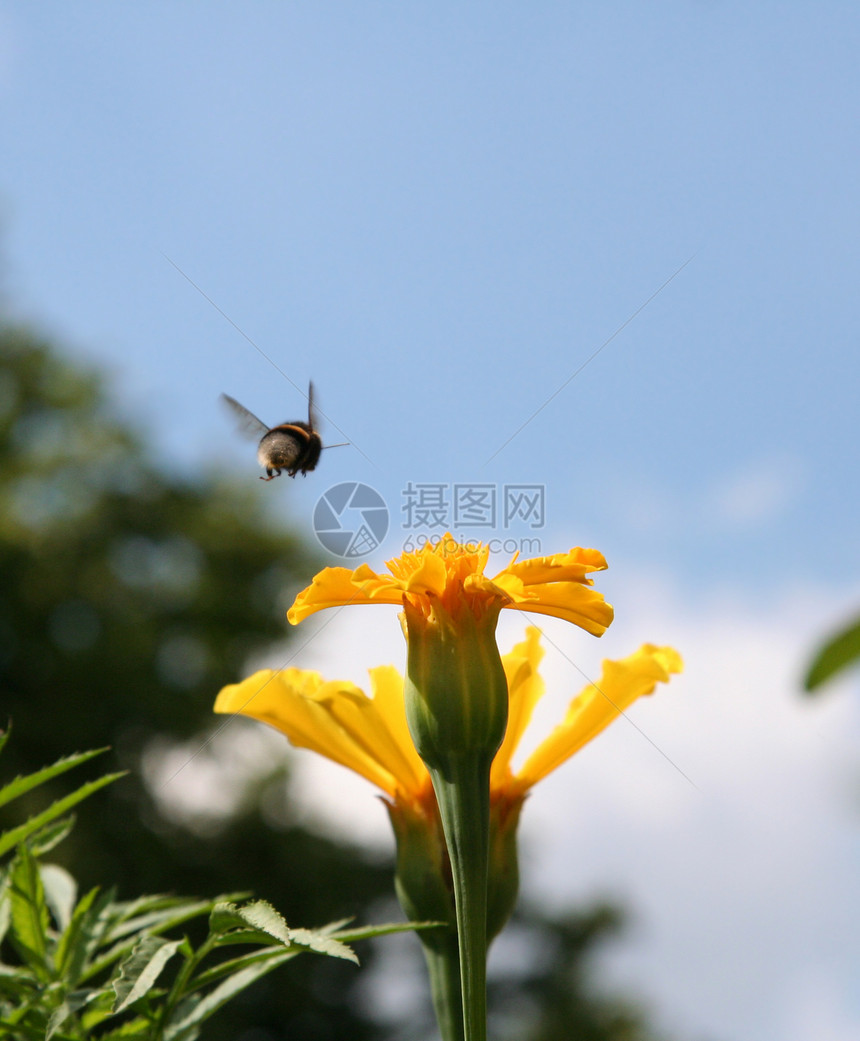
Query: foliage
[837, 654]
[95, 967]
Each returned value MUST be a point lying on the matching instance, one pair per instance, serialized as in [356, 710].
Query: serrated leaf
[141, 969]
[838, 653]
[262, 916]
[14, 836]
[258, 916]
[29, 910]
[28, 782]
[259, 922]
[61, 891]
[314, 940]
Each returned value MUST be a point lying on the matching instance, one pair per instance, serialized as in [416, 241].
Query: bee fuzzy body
[294, 447]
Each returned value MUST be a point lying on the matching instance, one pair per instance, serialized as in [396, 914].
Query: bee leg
[271, 475]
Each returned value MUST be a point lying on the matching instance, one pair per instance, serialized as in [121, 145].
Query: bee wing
[312, 413]
[247, 423]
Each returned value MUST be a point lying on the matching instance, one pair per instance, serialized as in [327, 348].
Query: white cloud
[757, 493]
[746, 883]
[815, 1009]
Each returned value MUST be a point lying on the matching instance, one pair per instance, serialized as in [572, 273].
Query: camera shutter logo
[351, 519]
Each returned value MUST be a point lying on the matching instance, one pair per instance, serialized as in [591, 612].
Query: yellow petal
[620, 684]
[430, 576]
[387, 686]
[378, 725]
[573, 566]
[559, 586]
[569, 601]
[338, 586]
[298, 704]
[525, 688]
[453, 574]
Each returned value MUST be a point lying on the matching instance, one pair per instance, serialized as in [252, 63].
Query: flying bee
[294, 447]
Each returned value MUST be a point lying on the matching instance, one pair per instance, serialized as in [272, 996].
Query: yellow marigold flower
[449, 576]
[369, 735]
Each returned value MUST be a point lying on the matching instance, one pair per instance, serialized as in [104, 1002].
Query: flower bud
[456, 691]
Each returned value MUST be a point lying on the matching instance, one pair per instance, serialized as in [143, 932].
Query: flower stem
[462, 787]
[443, 965]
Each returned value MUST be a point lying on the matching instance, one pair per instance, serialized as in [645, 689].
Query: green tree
[553, 994]
[129, 597]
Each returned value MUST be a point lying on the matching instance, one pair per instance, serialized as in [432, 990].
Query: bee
[294, 447]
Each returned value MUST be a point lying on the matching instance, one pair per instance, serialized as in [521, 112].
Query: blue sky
[439, 213]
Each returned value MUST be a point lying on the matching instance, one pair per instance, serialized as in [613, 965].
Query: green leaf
[26, 783]
[87, 1001]
[61, 891]
[159, 913]
[4, 736]
[138, 1029]
[14, 836]
[186, 1025]
[368, 932]
[259, 922]
[84, 936]
[141, 969]
[839, 652]
[58, 1018]
[313, 940]
[29, 911]
[43, 841]
[5, 915]
[259, 916]
[75, 942]
[97, 1007]
[124, 934]
[227, 968]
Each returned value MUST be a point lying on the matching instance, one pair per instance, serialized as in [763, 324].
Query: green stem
[441, 953]
[177, 991]
[462, 788]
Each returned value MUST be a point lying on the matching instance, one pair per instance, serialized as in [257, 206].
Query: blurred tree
[129, 597]
[550, 993]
